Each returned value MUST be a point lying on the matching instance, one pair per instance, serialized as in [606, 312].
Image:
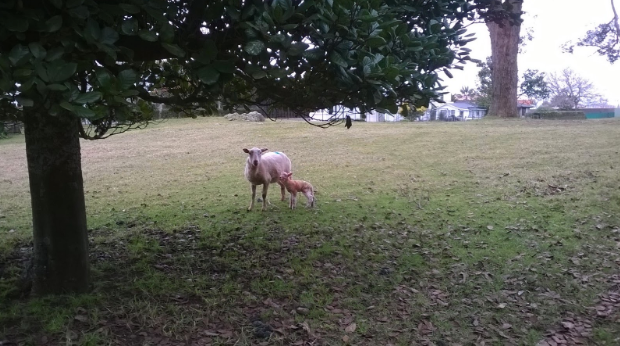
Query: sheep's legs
[265, 187]
[253, 197]
[282, 190]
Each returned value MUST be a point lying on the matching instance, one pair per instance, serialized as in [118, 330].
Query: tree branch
[615, 20]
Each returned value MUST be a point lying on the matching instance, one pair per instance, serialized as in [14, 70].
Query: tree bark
[505, 73]
[60, 262]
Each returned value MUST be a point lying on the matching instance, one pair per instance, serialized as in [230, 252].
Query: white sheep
[263, 169]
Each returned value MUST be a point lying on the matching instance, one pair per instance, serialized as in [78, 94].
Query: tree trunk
[58, 211]
[505, 77]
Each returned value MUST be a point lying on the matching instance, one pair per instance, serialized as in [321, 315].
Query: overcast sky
[554, 22]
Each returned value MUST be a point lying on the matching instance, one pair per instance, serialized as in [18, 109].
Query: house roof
[464, 105]
[525, 103]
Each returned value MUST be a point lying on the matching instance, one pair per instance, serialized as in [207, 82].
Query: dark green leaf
[41, 71]
[155, 13]
[129, 27]
[37, 50]
[259, 74]
[5, 64]
[104, 79]
[25, 102]
[166, 33]
[225, 66]
[56, 3]
[55, 54]
[92, 30]
[83, 112]
[314, 54]
[74, 3]
[129, 8]
[89, 97]
[15, 24]
[56, 87]
[377, 96]
[208, 75]
[108, 36]
[25, 86]
[6, 82]
[297, 48]
[208, 52]
[127, 78]
[376, 41]
[254, 47]
[247, 12]
[289, 26]
[41, 87]
[278, 73]
[66, 105]
[337, 59]
[129, 93]
[174, 49]
[80, 12]
[147, 35]
[22, 72]
[59, 71]
[110, 50]
[53, 24]
[18, 53]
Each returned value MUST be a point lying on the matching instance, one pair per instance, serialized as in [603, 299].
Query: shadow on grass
[236, 282]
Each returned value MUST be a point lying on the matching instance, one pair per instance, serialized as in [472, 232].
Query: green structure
[600, 113]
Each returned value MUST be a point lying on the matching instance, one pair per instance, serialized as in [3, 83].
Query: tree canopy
[103, 60]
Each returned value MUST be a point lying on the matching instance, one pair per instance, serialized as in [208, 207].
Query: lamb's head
[285, 176]
[254, 155]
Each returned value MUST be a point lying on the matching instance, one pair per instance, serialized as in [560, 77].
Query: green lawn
[495, 231]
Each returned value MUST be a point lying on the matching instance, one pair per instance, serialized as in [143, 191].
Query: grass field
[488, 232]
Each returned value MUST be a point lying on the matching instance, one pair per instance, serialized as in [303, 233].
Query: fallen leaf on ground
[350, 328]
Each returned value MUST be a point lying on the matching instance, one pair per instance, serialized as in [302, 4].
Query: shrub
[558, 115]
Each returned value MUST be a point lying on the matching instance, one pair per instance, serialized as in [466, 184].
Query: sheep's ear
[263, 150]
[246, 151]
[289, 174]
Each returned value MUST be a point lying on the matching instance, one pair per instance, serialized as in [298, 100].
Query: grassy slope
[436, 232]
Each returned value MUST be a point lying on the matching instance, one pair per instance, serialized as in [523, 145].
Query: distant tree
[534, 85]
[468, 93]
[484, 85]
[605, 38]
[570, 91]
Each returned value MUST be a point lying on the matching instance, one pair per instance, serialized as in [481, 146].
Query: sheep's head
[254, 155]
[285, 176]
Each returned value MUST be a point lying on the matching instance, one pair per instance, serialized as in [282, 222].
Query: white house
[455, 111]
[340, 112]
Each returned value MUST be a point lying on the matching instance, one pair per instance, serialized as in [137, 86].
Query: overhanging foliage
[103, 60]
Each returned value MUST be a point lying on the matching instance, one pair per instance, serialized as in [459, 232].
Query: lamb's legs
[310, 198]
[265, 187]
[293, 202]
[253, 197]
